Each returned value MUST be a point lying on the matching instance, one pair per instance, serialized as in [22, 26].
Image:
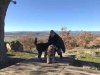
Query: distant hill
[10, 36]
[75, 33]
[19, 33]
[43, 33]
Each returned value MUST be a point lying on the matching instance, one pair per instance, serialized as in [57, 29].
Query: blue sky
[43, 15]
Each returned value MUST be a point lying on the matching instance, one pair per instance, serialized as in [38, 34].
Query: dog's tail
[35, 42]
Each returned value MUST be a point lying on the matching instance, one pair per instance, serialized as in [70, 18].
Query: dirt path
[35, 67]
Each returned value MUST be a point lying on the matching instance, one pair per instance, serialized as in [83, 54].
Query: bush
[84, 38]
[27, 41]
[95, 43]
[67, 38]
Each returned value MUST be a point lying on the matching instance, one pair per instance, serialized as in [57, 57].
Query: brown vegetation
[83, 39]
[67, 38]
[95, 43]
[27, 41]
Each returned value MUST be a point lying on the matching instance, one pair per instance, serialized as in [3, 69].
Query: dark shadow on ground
[66, 60]
[69, 61]
[80, 63]
[11, 61]
[10, 55]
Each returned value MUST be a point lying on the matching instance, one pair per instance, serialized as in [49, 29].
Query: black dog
[41, 47]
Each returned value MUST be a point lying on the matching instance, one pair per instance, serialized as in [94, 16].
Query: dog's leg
[39, 55]
[59, 53]
[53, 57]
[45, 55]
[48, 59]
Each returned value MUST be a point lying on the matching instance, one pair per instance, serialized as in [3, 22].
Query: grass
[90, 58]
[85, 56]
[21, 55]
[11, 38]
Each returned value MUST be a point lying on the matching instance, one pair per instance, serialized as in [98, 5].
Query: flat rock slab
[36, 67]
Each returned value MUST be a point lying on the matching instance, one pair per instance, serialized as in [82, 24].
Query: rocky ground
[36, 67]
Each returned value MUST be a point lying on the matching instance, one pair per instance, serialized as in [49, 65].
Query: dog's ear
[35, 41]
[35, 38]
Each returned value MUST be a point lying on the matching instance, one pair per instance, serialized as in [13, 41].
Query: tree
[84, 38]
[3, 9]
[67, 38]
[27, 41]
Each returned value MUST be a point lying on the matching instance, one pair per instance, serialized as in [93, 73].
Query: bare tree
[67, 38]
[3, 9]
[27, 41]
[84, 38]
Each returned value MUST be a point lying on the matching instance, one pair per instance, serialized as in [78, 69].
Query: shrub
[27, 41]
[95, 43]
[84, 38]
[67, 38]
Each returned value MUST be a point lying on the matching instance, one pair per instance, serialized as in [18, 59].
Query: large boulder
[16, 46]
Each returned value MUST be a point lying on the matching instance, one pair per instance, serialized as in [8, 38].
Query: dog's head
[51, 49]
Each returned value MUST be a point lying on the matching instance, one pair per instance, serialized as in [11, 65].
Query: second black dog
[41, 47]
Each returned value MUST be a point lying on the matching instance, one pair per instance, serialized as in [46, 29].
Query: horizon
[55, 31]
[46, 15]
